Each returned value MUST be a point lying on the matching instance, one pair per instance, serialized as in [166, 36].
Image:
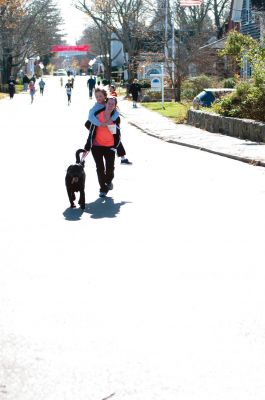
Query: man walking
[91, 83]
[25, 82]
[11, 87]
[135, 90]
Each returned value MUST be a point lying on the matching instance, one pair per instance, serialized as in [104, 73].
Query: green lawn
[176, 111]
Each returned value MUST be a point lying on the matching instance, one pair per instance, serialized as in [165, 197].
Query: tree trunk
[178, 88]
[108, 60]
[132, 67]
[108, 71]
[7, 65]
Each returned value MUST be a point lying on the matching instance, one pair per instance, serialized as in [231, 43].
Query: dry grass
[3, 96]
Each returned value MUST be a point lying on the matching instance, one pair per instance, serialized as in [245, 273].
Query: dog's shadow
[104, 208]
[73, 214]
[101, 208]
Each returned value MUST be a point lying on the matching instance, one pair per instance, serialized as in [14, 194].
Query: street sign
[156, 82]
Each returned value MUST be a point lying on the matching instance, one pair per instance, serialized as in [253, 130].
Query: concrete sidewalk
[154, 124]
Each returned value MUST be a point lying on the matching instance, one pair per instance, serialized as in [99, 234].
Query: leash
[84, 156]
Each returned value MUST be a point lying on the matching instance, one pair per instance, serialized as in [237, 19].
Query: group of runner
[28, 84]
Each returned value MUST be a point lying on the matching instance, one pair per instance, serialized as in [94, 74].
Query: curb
[256, 163]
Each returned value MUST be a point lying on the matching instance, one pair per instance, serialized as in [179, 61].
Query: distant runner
[41, 85]
[32, 90]
[68, 87]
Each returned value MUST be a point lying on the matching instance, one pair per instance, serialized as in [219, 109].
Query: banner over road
[81, 48]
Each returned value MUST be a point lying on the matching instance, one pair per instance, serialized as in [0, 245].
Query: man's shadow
[104, 208]
[101, 208]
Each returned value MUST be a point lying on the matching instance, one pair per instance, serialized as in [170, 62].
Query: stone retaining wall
[240, 128]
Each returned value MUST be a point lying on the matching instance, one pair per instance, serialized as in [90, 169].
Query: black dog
[75, 180]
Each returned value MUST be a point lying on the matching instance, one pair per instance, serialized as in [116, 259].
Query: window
[192, 69]
[245, 68]
[247, 11]
[258, 5]
[237, 10]
[153, 71]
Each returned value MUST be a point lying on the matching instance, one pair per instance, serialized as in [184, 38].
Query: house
[216, 65]
[248, 17]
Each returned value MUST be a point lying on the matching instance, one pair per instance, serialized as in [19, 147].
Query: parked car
[60, 72]
[208, 96]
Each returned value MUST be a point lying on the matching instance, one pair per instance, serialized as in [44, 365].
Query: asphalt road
[156, 292]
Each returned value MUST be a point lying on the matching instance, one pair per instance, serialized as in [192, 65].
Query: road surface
[156, 292]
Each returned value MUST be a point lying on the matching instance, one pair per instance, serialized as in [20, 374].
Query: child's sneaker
[102, 194]
[126, 161]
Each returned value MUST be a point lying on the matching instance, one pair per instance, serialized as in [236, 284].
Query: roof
[217, 44]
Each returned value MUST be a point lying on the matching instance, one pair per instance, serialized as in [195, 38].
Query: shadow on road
[252, 144]
[73, 214]
[104, 208]
[101, 208]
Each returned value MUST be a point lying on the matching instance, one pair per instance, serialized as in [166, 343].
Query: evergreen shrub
[145, 83]
[229, 83]
[193, 86]
[151, 96]
[248, 101]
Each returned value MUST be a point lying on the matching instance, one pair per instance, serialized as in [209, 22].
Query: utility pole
[166, 30]
[173, 47]
[162, 86]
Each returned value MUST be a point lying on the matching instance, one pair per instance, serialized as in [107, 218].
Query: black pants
[135, 96]
[121, 150]
[41, 91]
[91, 91]
[105, 160]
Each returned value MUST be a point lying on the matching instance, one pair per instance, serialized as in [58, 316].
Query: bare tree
[11, 14]
[193, 27]
[220, 10]
[125, 18]
[27, 29]
[100, 42]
